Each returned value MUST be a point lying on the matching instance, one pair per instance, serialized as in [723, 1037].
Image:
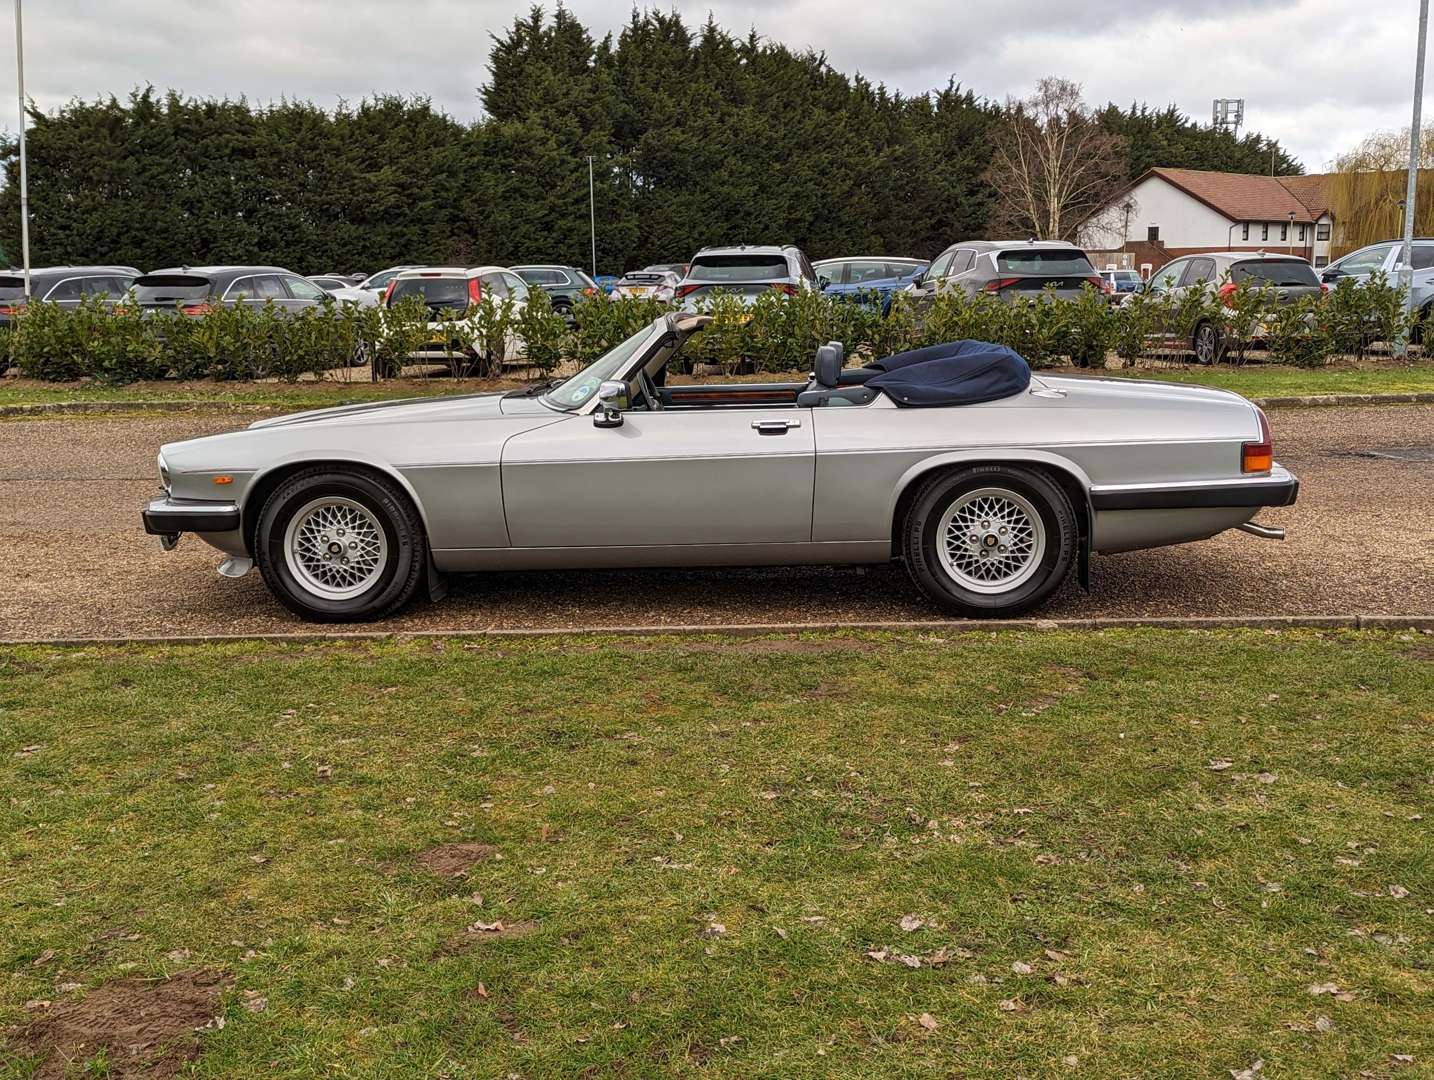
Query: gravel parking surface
[74, 560]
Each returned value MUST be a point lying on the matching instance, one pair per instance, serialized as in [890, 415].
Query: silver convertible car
[991, 484]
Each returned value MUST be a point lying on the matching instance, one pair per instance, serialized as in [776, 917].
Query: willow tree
[1366, 191]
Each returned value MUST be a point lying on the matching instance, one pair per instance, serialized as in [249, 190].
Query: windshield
[574, 393]
[1281, 272]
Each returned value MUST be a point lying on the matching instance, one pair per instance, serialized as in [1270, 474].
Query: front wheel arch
[266, 483]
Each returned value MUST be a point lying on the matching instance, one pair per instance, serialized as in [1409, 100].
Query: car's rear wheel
[1209, 344]
[340, 546]
[989, 539]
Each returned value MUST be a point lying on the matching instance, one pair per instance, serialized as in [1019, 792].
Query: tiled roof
[1245, 197]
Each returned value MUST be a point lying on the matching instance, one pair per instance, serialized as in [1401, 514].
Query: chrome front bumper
[166, 517]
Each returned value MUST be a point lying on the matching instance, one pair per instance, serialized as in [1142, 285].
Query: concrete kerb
[1420, 623]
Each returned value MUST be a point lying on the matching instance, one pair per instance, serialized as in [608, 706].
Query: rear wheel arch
[1070, 481]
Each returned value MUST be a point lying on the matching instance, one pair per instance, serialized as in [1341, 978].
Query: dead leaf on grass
[910, 923]
[929, 1022]
[1020, 967]
[1009, 1005]
[1219, 764]
[1252, 1073]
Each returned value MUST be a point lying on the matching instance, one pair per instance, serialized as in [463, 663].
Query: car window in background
[1365, 262]
[1423, 256]
[69, 289]
[1276, 272]
[962, 260]
[543, 277]
[586, 280]
[940, 266]
[433, 291]
[717, 268]
[1167, 277]
[258, 287]
[864, 270]
[1199, 270]
[806, 267]
[300, 289]
[113, 287]
[493, 285]
[517, 287]
[1044, 261]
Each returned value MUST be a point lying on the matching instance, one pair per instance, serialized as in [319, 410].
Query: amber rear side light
[1259, 456]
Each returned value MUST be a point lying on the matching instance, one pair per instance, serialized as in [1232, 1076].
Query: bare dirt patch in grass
[455, 860]
[137, 1027]
[479, 932]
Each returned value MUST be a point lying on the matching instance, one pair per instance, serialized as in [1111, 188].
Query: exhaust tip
[1264, 532]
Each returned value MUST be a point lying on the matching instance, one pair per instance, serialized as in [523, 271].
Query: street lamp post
[24, 176]
[1406, 253]
[592, 211]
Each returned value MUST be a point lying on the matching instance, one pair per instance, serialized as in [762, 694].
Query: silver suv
[1010, 270]
[1385, 258]
[1218, 273]
[745, 272]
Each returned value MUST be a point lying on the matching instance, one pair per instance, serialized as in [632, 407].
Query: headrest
[830, 358]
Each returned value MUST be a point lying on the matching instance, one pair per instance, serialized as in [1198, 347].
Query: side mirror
[612, 403]
[918, 281]
[823, 281]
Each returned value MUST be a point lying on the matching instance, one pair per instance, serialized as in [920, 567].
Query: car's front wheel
[989, 539]
[340, 546]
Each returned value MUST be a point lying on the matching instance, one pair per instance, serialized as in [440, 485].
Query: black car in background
[195, 290]
[64, 285]
[565, 285]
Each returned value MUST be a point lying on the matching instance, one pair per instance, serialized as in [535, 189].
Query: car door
[924, 290]
[302, 292]
[686, 477]
[960, 275]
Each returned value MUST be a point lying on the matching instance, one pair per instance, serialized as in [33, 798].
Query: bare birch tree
[1052, 164]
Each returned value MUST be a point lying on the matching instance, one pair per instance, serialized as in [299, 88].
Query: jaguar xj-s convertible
[991, 484]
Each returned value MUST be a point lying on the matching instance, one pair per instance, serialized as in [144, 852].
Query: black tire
[1416, 332]
[1208, 344]
[1052, 559]
[406, 548]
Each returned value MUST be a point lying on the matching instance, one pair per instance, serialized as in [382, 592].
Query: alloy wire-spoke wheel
[335, 547]
[989, 539]
[992, 540]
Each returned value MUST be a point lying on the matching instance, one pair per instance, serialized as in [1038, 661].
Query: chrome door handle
[774, 427]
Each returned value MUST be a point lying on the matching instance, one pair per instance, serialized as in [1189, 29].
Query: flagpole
[24, 176]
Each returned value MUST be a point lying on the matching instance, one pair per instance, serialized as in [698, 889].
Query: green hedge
[120, 344]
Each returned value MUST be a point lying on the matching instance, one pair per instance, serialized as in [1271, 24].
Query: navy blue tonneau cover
[954, 373]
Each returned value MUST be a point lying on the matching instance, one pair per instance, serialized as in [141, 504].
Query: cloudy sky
[1316, 74]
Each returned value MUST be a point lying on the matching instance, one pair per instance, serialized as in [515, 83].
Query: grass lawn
[1261, 380]
[1255, 380]
[1134, 853]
